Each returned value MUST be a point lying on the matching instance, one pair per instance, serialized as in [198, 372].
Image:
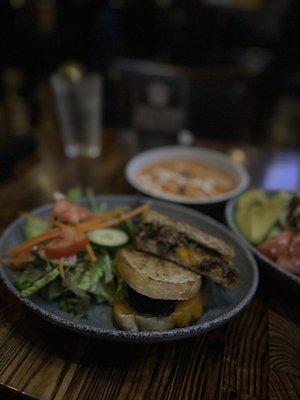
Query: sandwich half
[160, 294]
[176, 241]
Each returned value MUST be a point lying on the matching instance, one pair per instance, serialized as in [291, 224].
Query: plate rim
[229, 214]
[140, 336]
[240, 169]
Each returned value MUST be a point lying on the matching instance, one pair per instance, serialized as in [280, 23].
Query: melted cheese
[187, 311]
[122, 307]
[189, 257]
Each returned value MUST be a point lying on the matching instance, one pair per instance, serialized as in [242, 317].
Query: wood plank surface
[254, 356]
[235, 361]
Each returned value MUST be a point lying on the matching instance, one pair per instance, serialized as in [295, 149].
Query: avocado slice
[258, 213]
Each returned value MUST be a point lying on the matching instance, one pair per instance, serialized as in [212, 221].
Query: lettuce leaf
[107, 268]
[86, 274]
[109, 287]
[104, 292]
[76, 301]
[28, 277]
[86, 281]
[75, 194]
[93, 203]
[35, 226]
[31, 274]
[98, 279]
[130, 228]
[53, 290]
[74, 305]
[38, 284]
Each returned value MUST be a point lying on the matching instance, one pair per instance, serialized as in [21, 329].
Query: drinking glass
[79, 102]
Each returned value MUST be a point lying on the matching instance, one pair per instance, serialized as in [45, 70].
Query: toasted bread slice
[186, 312]
[128, 319]
[203, 238]
[187, 246]
[156, 278]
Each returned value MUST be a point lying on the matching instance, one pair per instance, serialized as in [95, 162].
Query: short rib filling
[169, 239]
[146, 305]
[166, 241]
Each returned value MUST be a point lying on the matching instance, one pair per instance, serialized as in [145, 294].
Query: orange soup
[186, 179]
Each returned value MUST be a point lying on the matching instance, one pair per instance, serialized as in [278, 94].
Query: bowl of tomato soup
[187, 175]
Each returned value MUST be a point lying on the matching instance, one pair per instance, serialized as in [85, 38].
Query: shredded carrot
[95, 223]
[92, 225]
[110, 213]
[105, 216]
[99, 218]
[91, 253]
[61, 268]
[34, 241]
[61, 224]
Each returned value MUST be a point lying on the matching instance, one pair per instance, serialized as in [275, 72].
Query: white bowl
[198, 154]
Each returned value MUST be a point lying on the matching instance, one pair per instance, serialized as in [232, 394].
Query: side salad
[272, 224]
[70, 257]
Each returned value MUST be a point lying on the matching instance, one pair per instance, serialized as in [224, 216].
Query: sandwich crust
[129, 320]
[156, 278]
[203, 238]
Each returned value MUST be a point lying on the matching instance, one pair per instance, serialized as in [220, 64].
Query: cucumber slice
[68, 262]
[108, 237]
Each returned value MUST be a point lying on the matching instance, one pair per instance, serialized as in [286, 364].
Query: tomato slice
[66, 244]
[294, 250]
[67, 211]
[276, 246]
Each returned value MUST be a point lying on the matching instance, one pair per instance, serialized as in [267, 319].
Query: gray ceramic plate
[266, 262]
[220, 304]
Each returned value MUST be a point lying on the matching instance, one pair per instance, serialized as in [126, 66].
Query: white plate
[198, 154]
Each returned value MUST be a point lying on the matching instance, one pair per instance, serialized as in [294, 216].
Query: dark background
[241, 61]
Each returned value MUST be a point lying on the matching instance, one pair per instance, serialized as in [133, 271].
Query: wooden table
[255, 356]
